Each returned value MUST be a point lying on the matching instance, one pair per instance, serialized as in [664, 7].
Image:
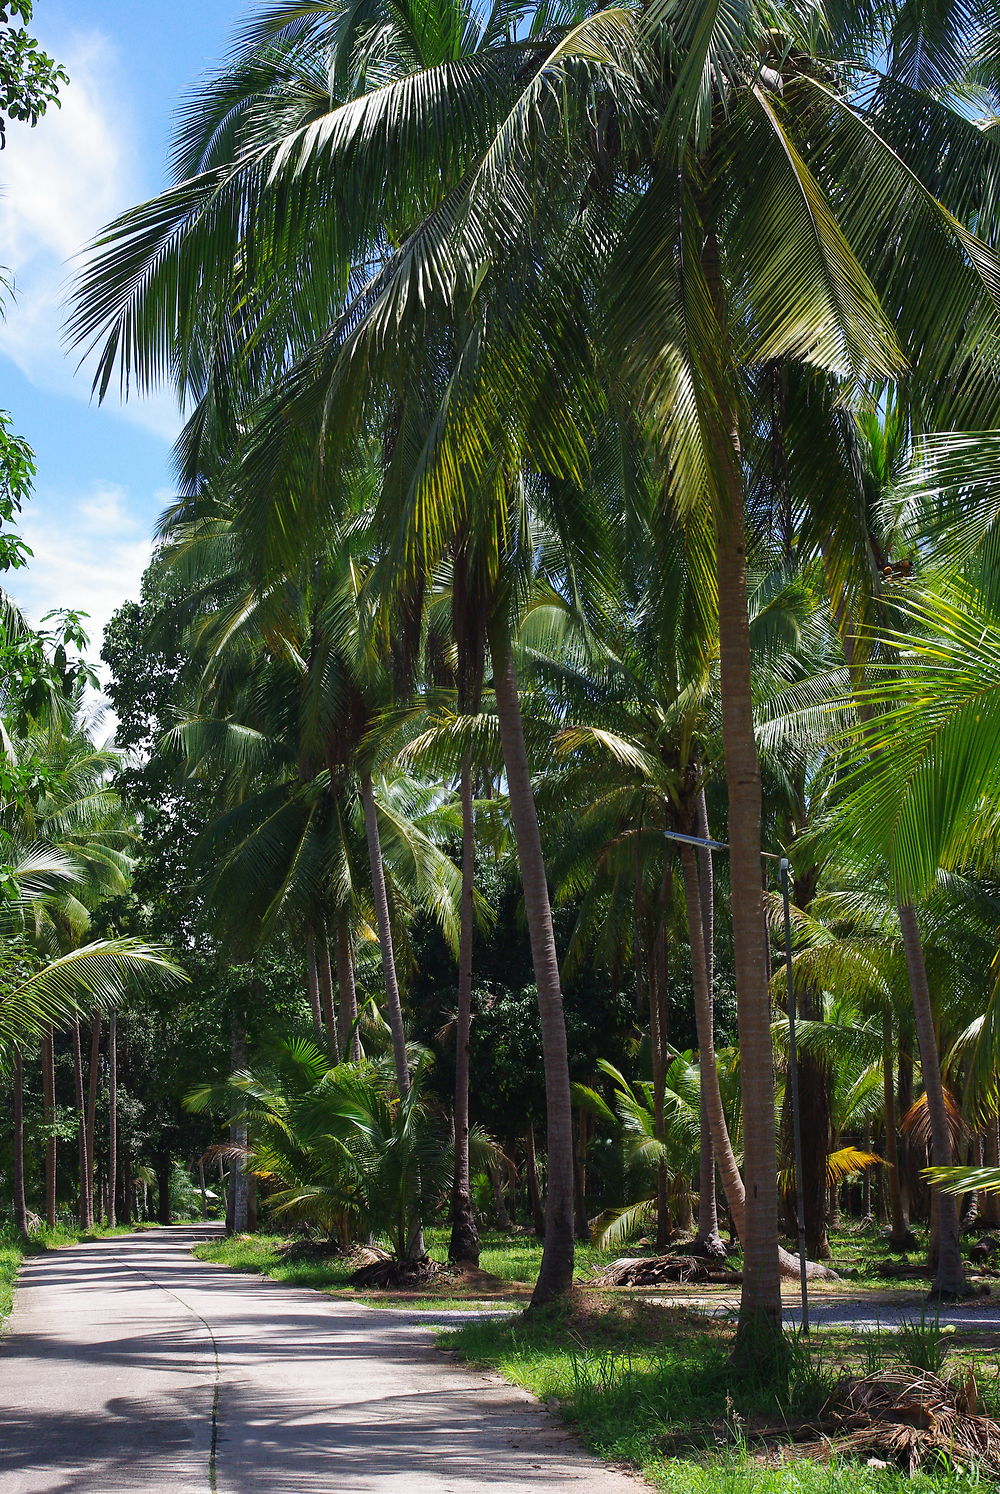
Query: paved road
[131, 1366]
[980, 1315]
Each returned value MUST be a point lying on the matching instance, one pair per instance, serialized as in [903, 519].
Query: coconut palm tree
[632, 192]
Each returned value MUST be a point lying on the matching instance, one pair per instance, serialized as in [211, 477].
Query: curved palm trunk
[113, 1119]
[347, 994]
[464, 1243]
[394, 1009]
[556, 1273]
[949, 1274]
[49, 1112]
[20, 1206]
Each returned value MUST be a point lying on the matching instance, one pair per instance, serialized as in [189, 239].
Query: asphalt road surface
[128, 1365]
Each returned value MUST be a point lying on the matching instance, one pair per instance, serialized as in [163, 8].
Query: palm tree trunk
[580, 1189]
[394, 1009]
[239, 1197]
[535, 1205]
[900, 1234]
[732, 1182]
[312, 982]
[20, 1206]
[708, 1241]
[83, 1202]
[658, 1020]
[464, 1243]
[49, 1112]
[93, 1078]
[991, 1154]
[949, 1274]
[760, 1300]
[415, 1248]
[504, 1221]
[556, 1273]
[112, 1119]
[325, 979]
[970, 1213]
[347, 994]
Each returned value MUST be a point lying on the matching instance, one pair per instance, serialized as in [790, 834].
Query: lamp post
[784, 878]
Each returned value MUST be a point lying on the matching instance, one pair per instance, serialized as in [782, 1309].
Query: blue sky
[103, 473]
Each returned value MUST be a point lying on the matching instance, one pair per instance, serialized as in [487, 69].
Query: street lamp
[784, 878]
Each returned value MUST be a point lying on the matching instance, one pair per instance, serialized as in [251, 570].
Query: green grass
[513, 1260]
[652, 1387]
[262, 1254]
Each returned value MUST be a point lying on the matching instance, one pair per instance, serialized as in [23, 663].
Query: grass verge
[652, 1388]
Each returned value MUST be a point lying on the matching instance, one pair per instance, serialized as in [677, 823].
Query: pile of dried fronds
[659, 1270]
[908, 1419]
[386, 1271]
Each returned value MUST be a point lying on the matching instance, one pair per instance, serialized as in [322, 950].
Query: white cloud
[60, 183]
[90, 553]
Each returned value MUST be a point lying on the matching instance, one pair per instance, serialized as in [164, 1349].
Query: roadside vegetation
[654, 1388]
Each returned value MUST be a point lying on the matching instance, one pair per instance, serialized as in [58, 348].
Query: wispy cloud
[60, 184]
[90, 553]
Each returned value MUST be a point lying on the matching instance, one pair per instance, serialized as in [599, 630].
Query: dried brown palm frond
[917, 1126]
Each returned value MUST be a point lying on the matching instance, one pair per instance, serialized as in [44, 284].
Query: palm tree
[632, 194]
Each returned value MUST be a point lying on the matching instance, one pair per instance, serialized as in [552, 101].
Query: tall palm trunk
[760, 1300]
[238, 1210]
[658, 1039]
[580, 1180]
[659, 1042]
[49, 1112]
[464, 1243]
[900, 1234]
[312, 983]
[394, 1009]
[20, 1206]
[949, 1272]
[93, 1078]
[113, 1119]
[83, 1201]
[347, 994]
[732, 1182]
[708, 1239]
[991, 1156]
[325, 977]
[536, 1208]
[556, 1273]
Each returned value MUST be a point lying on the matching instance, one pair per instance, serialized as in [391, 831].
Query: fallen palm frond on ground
[657, 1270]
[905, 1419]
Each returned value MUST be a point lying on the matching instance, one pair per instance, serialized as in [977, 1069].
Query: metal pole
[784, 870]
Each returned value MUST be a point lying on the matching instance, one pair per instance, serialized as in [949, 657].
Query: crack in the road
[213, 1451]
